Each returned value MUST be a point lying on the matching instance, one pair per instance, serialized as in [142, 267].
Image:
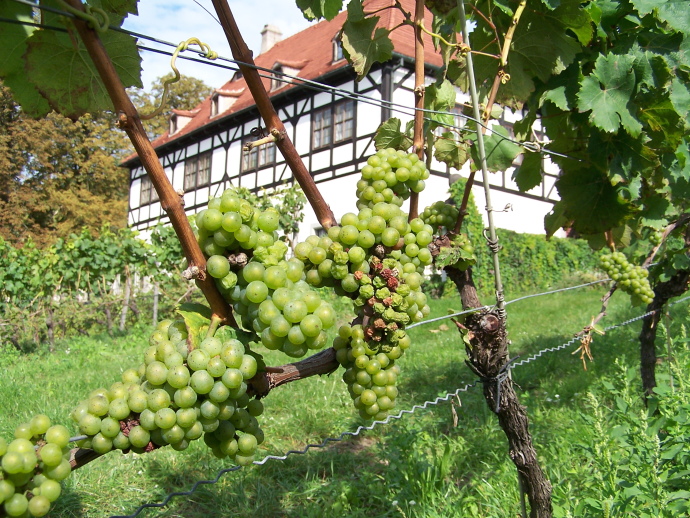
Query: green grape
[201, 381]
[16, 505]
[217, 266]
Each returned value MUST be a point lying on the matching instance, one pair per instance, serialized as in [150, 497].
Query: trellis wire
[291, 79]
[374, 424]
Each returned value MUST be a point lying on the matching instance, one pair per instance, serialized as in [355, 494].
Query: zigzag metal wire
[323, 444]
[360, 429]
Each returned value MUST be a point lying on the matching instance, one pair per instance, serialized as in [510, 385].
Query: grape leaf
[317, 9]
[363, 43]
[673, 12]
[680, 97]
[590, 201]
[555, 219]
[500, 152]
[197, 319]
[440, 97]
[542, 46]
[656, 213]
[455, 255]
[63, 72]
[528, 174]
[390, 135]
[120, 8]
[13, 38]
[450, 151]
[607, 92]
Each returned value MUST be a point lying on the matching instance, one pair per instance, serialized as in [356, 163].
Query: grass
[419, 466]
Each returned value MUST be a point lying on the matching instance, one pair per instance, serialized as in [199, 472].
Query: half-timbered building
[331, 126]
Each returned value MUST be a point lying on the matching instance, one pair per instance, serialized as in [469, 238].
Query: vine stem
[170, 201]
[418, 136]
[241, 52]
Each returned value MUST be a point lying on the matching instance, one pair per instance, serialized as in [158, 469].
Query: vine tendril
[184, 45]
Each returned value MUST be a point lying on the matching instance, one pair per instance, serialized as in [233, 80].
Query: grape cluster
[631, 279]
[32, 466]
[390, 176]
[175, 397]
[440, 214]
[265, 289]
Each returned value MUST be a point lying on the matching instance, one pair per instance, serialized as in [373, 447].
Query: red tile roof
[311, 52]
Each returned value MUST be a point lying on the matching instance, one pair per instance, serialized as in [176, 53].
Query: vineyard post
[488, 348]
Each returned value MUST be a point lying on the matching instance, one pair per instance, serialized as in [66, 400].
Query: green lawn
[420, 465]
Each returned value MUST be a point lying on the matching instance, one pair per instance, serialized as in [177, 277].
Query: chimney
[270, 35]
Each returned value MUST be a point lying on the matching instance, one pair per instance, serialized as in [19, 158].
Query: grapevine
[633, 280]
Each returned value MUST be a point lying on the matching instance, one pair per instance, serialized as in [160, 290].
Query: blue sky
[178, 20]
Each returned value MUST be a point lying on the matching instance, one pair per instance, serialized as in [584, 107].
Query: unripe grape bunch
[390, 176]
[440, 214]
[32, 466]
[631, 279]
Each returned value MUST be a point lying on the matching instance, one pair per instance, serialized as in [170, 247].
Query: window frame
[147, 193]
[264, 156]
[324, 135]
[194, 163]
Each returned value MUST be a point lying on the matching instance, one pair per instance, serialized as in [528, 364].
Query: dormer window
[214, 104]
[180, 118]
[283, 71]
[276, 78]
[337, 48]
[222, 100]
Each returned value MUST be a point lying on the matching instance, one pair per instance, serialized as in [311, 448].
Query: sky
[178, 20]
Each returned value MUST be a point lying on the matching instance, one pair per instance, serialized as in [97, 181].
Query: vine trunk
[487, 356]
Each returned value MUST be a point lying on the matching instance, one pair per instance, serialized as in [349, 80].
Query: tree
[59, 175]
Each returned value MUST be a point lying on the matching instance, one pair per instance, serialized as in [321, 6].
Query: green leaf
[590, 201]
[363, 43]
[197, 319]
[528, 174]
[450, 151]
[13, 40]
[317, 9]
[440, 97]
[607, 93]
[542, 46]
[673, 12]
[455, 255]
[656, 213]
[555, 219]
[389, 134]
[121, 8]
[500, 152]
[680, 97]
[65, 75]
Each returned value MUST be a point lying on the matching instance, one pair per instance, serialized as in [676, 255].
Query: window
[333, 124]
[197, 171]
[276, 78]
[173, 124]
[215, 104]
[148, 193]
[337, 48]
[258, 157]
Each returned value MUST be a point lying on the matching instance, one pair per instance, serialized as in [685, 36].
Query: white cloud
[178, 20]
